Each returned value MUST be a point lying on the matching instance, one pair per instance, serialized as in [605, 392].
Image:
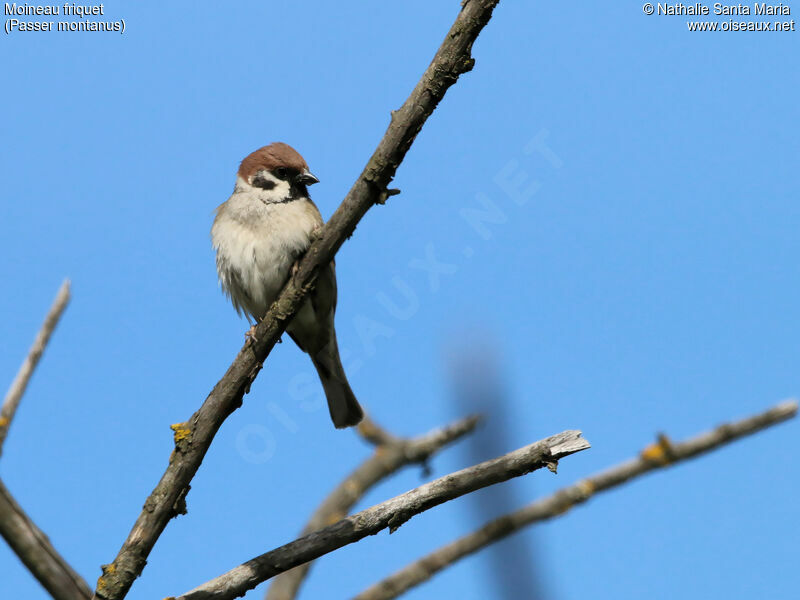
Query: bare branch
[193, 438]
[392, 514]
[37, 553]
[20, 383]
[374, 433]
[22, 535]
[391, 455]
[661, 454]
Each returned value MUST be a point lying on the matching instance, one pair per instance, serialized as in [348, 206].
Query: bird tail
[342, 404]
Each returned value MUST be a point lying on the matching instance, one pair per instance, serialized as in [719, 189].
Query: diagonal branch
[392, 514]
[20, 383]
[193, 438]
[37, 553]
[22, 535]
[373, 433]
[390, 455]
[658, 455]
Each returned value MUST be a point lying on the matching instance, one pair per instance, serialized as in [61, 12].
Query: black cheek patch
[263, 183]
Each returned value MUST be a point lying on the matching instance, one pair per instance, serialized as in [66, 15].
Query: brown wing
[323, 298]
[312, 328]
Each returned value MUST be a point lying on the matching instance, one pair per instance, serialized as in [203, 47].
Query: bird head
[277, 172]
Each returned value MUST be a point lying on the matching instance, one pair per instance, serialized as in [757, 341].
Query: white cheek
[281, 190]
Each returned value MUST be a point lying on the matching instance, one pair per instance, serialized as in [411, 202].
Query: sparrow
[259, 234]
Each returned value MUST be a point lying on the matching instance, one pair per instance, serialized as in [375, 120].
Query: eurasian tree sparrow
[259, 234]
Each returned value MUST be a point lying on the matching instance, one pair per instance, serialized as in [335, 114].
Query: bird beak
[307, 178]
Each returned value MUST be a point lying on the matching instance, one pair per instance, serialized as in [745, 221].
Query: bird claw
[316, 233]
[250, 336]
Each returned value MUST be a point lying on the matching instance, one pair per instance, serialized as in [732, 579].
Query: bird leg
[315, 234]
[250, 335]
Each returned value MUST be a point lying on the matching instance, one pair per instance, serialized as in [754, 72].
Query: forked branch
[194, 437]
[391, 454]
[392, 514]
[661, 454]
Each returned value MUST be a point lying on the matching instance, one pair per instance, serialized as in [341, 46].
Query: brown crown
[271, 157]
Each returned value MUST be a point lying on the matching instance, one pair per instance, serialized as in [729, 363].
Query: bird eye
[281, 172]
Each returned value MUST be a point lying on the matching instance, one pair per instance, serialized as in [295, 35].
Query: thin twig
[193, 438]
[661, 454]
[392, 514]
[37, 553]
[20, 383]
[390, 455]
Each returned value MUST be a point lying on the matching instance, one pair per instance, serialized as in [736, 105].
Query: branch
[391, 455]
[37, 553]
[193, 438]
[22, 535]
[658, 455]
[20, 383]
[391, 513]
[374, 433]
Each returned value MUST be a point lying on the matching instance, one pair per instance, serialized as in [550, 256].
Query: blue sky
[646, 279]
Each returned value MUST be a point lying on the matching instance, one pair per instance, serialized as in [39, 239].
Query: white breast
[256, 244]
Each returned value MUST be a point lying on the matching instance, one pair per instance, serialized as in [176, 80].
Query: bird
[259, 234]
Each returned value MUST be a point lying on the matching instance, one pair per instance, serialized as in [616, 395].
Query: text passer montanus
[259, 233]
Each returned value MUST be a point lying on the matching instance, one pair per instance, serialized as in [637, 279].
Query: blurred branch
[374, 433]
[391, 513]
[661, 454]
[37, 553]
[20, 383]
[193, 438]
[478, 384]
[390, 455]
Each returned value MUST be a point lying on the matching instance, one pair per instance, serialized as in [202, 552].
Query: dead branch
[20, 383]
[390, 455]
[27, 541]
[661, 454]
[37, 553]
[391, 513]
[193, 438]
